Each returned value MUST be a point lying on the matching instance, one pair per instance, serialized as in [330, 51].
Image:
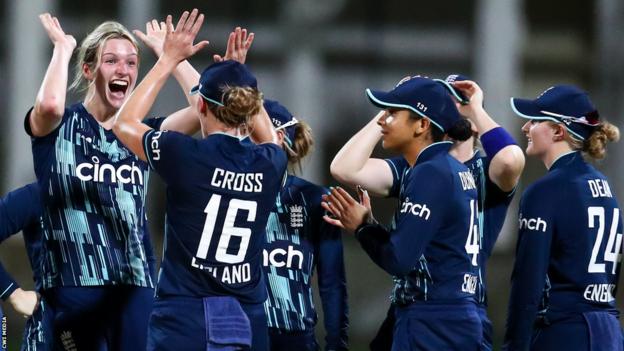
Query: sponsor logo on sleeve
[536, 224]
[154, 145]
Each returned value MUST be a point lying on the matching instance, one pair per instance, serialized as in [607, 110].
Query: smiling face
[540, 136]
[116, 73]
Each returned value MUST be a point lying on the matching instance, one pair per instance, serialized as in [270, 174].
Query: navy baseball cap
[219, 75]
[422, 96]
[448, 84]
[282, 118]
[565, 104]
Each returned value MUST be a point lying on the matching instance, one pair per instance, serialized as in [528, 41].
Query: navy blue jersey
[434, 247]
[21, 210]
[298, 242]
[93, 190]
[220, 191]
[569, 248]
[493, 205]
[492, 208]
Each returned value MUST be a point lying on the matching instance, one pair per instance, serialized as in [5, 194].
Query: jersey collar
[565, 159]
[433, 150]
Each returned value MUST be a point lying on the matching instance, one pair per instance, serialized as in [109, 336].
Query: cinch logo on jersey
[108, 173]
[467, 180]
[155, 145]
[537, 224]
[282, 258]
[415, 209]
[246, 182]
[599, 292]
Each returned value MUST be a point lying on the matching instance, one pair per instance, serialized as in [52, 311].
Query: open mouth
[118, 87]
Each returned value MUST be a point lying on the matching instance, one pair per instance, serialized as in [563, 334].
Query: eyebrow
[114, 54]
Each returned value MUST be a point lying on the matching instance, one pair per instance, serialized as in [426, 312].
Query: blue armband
[495, 140]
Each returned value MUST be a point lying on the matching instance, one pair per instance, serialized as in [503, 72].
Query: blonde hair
[595, 146]
[301, 145]
[240, 105]
[91, 48]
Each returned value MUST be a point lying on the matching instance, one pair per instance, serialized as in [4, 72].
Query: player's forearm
[187, 77]
[482, 120]
[128, 126]
[263, 131]
[354, 154]
[375, 240]
[7, 284]
[50, 101]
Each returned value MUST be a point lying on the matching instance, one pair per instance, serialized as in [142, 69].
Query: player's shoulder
[272, 154]
[546, 188]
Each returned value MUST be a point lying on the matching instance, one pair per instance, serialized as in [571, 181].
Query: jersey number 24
[613, 251]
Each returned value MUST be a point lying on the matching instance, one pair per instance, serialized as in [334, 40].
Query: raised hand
[474, 94]
[154, 35]
[347, 212]
[56, 34]
[178, 43]
[238, 45]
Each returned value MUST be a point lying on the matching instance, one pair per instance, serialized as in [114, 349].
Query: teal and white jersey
[299, 242]
[93, 190]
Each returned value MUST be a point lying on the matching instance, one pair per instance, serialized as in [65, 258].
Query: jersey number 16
[228, 231]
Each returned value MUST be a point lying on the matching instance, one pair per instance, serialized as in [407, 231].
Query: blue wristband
[495, 140]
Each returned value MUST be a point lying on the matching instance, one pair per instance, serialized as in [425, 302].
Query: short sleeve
[398, 166]
[276, 156]
[167, 151]
[155, 122]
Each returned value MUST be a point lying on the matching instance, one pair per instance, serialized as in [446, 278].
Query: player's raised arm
[353, 164]
[178, 46]
[50, 102]
[507, 159]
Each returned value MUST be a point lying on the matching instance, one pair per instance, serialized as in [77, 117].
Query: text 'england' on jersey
[220, 191]
[93, 190]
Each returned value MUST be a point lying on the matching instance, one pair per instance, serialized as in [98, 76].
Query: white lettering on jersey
[154, 145]
[470, 283]
[244, 182]
[599, 292]
[105, 172]
[599, 188]
[271, 258]
[416, 209]
[240, 273]
[467, 180]
[537, 224]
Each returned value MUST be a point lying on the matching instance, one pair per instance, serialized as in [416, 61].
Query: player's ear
[202, 106]
[280, 137]
[421, 125]
[559, 132]
[87, 72]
